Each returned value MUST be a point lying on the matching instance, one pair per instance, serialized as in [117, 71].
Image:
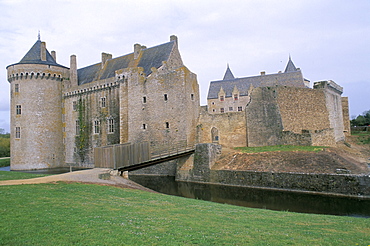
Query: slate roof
[33, 56]
[228, 74]
[291, 78]
[290, 66]
[151, 57]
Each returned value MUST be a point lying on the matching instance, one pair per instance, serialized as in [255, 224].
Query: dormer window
[222, 98]
[236, 97]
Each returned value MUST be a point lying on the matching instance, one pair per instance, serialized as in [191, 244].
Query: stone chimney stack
[104, 58]
[137, 49]
[43, 51]
[173, 38]
[263, 72]
[54, 55]
[73, 71]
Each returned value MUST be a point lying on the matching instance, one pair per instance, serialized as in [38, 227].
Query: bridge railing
[163, 149]
[122, 155]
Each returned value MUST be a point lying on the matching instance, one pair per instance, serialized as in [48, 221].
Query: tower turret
[36, 110]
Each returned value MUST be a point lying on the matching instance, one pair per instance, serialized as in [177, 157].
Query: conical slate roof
[228, 74]
[290, 66]
[33, 56]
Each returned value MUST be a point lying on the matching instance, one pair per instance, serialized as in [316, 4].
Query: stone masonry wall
[39, 144]
[346, 118]
[264, 123]
[231, 128]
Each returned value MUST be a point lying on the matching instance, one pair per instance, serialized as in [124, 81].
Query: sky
[326, 39]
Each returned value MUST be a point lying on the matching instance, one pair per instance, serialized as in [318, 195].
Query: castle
[60, 114]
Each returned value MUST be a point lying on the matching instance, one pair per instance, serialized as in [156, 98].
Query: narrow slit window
[192, 96]
[144, 99]
[167, 125]
[74, 105]
[144, 126]
[77, 127]
[17, 132]
[165, 97]
[16, 88]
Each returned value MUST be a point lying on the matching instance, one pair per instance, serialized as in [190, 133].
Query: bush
[4, 147]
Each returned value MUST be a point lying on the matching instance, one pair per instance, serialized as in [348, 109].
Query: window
[16, 88]
[165, 97]
[74, 105]
[144, 126]
[167, 125]
[144, 99]
[17, 132]
[97, 126]
[192, 97]
[77, 127]
[222, 98]
[235, 97]
[102, 102]
[213, 110]
[231, 109]
[222, 110]
[240, 108]
[18, 109]
[110, 125]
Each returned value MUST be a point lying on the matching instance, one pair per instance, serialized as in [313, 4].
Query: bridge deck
[158, 159]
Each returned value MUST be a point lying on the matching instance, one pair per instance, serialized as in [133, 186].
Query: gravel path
[90, 176]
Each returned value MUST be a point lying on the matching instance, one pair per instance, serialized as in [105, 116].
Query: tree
[362, 120]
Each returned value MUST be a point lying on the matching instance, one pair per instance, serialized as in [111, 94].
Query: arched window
[214, 135]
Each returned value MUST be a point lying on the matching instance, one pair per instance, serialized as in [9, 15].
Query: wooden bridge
[130, 157]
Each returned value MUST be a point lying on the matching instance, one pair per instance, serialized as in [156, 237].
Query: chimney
[263, 73]
[43, 51]
[137, 49]
[54, 55]
[104, 58]
[173, 38]
[73, 70]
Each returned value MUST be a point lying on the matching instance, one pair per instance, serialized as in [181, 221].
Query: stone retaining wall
[201, 171]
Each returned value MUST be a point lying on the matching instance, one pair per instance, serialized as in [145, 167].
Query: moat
[258, 198]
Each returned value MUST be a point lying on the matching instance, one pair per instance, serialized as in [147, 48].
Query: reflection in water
[258, 198]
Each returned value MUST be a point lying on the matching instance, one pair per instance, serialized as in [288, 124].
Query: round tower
[36, 110]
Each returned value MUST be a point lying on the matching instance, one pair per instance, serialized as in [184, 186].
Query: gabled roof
[33, 56]
[228, 74]
[291, 78]
[151, 57]
[290, 66]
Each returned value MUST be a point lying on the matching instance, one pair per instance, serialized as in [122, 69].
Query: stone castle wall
[36, 89]
[84, 104]
[346, 117]
[230, 128]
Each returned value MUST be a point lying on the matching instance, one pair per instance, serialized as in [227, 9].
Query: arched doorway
[214, 134]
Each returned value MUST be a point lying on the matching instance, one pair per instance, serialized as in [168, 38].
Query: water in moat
[258, 198]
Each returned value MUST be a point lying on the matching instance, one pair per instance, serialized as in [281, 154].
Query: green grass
[80, 214]
[363, 137]
[6, 175]
[4, 162]
[280, 148]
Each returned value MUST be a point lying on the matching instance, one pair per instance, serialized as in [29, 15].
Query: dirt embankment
[353, 159]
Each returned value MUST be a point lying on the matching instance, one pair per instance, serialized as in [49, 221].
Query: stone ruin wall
[231, 128]
[272, 118]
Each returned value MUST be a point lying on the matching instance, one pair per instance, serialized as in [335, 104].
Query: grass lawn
[6, 175]
[363, 137]
[280, 148]
[81, 214]
[5, 162]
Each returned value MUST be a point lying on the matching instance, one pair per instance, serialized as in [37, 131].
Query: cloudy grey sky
[327, 39]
